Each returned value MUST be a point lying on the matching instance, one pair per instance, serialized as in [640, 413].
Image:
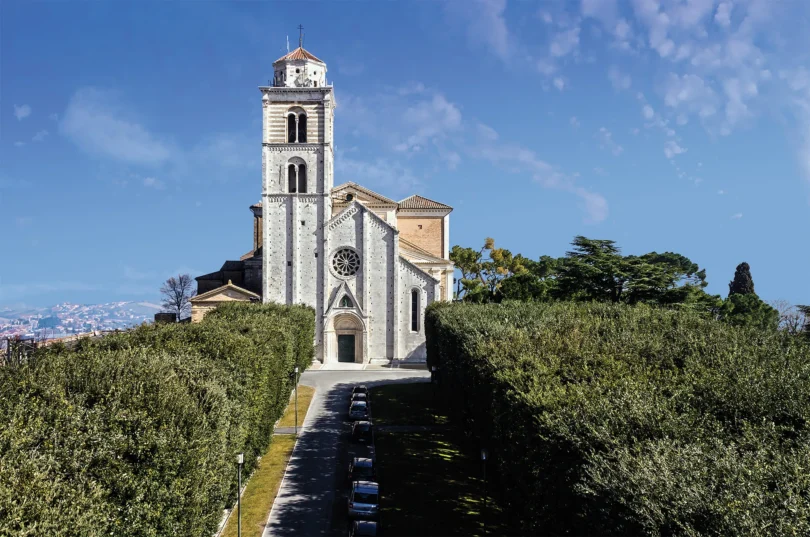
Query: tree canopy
[596, 270]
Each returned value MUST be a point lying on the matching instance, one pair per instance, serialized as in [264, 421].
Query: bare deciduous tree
[177, 293]
[792, 319]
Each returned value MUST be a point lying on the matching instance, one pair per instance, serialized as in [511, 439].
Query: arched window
[292, 177]
[346, 302]
[302, 178]
[302, 128]
[415, 310]
[291, 128]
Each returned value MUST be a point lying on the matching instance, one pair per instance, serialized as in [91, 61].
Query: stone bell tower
[297, 168]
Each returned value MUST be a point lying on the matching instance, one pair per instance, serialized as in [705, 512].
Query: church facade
[367, 264]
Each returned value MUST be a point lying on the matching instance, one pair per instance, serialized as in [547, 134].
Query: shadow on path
[312, 499]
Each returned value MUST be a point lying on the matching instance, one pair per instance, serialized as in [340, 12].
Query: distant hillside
[67, 318]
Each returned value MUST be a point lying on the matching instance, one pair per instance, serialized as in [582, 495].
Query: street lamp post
[296, 399]
[433, 380]
[484, 455]
[240, 460]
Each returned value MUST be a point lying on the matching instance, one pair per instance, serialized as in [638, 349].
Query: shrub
[136, 434]
[618, 420]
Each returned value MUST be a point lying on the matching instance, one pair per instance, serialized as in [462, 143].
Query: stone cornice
[307, 148]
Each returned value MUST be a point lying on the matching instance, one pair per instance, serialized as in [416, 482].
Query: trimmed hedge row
[136, 434]
[616, 420]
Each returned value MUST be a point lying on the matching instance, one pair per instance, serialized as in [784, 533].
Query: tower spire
[300, 36]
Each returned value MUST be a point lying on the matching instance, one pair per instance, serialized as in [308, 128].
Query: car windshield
[358, 406]
[365, 497]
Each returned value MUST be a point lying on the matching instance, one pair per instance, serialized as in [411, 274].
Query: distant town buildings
[67, 319]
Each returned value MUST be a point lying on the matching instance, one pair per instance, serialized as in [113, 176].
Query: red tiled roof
[298, 54]
[418, 202]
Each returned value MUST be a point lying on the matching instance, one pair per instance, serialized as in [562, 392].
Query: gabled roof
[227, 287]
[344, 290]
[419, 202]
[379, 198]
[298, 54]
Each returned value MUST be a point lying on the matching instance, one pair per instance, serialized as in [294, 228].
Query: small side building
[202, 304]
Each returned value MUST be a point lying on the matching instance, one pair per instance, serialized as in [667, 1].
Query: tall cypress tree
[743, 283]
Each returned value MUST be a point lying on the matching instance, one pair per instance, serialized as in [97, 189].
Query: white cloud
[96, 122]
[671, 148]
[736, 216]
[40, 136]
[559, 83]
[574, 122]
[53, 117]
[379, 173]
[648, 111]
[433, 119]
[618, 80]
[723, 14]
[518, 159]
[607, 141]
[151, 182]
[486, 24]
[21, 112]
[19, 144]
[721, 192]
[564, 42]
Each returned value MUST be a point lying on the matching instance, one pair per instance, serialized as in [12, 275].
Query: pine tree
[743, 283]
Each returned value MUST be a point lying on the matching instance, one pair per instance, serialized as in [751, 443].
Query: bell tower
[297, 167]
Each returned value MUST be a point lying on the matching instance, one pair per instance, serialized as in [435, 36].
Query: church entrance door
[345, 348]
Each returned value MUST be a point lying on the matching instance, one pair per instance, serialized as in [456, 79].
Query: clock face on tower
[346, 262]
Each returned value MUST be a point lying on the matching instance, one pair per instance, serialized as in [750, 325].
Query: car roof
[361, 386]
[362, 424]
[358, 403]
[363, 461]
[366, 486]
[365, 524]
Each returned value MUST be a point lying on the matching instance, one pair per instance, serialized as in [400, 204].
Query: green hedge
[617, 420]
[136, 433]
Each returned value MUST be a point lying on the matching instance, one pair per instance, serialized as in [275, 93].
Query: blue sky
[130, 131]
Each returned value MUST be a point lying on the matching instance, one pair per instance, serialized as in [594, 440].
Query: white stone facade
[344, 261]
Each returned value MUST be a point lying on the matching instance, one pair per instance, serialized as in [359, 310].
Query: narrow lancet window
[302, 178]
[415, 310]
[291, 178]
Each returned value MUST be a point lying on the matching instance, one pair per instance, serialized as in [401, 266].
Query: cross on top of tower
[300, 35]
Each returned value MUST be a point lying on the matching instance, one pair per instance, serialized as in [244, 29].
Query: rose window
[346, 262]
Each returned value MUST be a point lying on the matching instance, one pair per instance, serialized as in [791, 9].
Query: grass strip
[305, 395]
[263, 485]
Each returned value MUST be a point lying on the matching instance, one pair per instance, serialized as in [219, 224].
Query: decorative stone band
[308, 148]
[348, 213]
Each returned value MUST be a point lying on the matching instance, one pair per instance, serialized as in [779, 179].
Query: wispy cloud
[40, 136]
[574, 122]
[619, 80]
[671, 148]
[607, 142]
[736, 216]
[22, 111]
[486, 25]
[97, 123]
[151, 182]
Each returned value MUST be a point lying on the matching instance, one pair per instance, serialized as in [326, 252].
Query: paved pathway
[312, 497]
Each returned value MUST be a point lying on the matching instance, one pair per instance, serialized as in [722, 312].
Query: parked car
[362, 468]
[358, 410]
[364, 528]
[361, 388]
[363, 432]
[359, 396]
[364, 500]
